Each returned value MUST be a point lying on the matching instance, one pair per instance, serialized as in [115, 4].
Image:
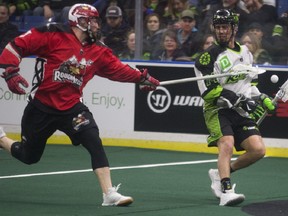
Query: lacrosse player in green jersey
[232, 106]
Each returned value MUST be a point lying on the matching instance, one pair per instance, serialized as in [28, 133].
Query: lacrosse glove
[267, 103]
[147, 82]
[253, 108]
[14, 79]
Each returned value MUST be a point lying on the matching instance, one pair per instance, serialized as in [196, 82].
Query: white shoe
[2, 133]
[113, 198]
[230, 198]
[215, 182]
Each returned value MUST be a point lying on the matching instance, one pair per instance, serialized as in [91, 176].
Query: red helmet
[81, 11]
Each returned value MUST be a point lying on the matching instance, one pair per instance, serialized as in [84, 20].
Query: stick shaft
[275, 99]
[191, 79]
[281, 94]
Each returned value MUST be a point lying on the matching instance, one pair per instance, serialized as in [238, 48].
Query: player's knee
[260, 153]
[20, 153]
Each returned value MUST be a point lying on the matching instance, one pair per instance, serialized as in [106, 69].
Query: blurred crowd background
[168, 30]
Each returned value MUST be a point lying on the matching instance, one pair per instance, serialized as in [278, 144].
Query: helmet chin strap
[91, 36]
[81, 28]
[90, 33]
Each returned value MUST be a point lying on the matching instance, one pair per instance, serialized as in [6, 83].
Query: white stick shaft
[281, 94]
[191, 79]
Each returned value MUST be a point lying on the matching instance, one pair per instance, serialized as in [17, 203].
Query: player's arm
[21, 46]
[113, 69]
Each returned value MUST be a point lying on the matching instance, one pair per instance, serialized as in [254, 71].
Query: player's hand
[14, 79]
[268, 103]
[251, 106]
[257, 113]
[147, 82]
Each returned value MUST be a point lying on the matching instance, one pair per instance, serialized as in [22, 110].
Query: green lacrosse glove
[267, 103]
[257, 113]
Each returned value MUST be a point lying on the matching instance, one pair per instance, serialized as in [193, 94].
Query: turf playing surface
[169, 187]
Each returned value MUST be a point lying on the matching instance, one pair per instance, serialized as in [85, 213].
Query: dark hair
[170, 33]
[6, 6]
[161, 24]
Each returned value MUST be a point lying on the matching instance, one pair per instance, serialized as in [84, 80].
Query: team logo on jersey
[205, 58]
[72, 71]
[225, 63]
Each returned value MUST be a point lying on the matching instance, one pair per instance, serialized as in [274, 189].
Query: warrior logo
[160, 101]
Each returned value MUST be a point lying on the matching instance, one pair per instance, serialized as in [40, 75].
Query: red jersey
[64, 65]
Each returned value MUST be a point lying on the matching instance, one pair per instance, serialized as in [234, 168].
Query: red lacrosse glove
[147, 82]
[14, 79]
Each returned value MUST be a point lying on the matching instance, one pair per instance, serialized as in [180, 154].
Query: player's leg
[225, 152]
[221, 133]
[35, 131]
[248, 138]
[92, 142]
[255, 150]
[5, 142]
[84, 130]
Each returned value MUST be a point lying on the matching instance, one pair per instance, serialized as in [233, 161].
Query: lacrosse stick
[282, 94]
[237, 70]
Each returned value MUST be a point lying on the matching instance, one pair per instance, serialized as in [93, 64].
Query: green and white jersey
[219, 60]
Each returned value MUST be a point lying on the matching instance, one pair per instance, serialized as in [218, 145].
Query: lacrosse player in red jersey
[232, 106]
[67, 58]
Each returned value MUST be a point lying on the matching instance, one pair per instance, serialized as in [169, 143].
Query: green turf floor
[158, 191]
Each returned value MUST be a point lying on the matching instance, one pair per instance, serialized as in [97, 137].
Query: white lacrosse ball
[274, 78]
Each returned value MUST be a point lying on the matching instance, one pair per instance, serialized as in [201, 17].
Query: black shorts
[228, 122]
[38, 125]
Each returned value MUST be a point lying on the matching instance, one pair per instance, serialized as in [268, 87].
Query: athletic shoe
[230, 198]
[215, 182]
[113, 198]
[2, 133]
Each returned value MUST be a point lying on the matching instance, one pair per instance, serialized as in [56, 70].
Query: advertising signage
[178, 108]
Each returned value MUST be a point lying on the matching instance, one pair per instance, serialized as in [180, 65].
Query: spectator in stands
[56, 10]
[256, 29]
[174, 10]
[234, 6]
[129, 52]
[187, 33]
[21, 7]
[283, 21]
[49, 9]
[264, 14]
[161, 8]
[115, 29]
[150, 6]
[275, 44]
[153, 30]
[260, 55]
[170, 49]
[8, 31]
[204, 43]
[124, 5]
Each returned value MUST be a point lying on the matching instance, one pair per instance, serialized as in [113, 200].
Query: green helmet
[224, 16]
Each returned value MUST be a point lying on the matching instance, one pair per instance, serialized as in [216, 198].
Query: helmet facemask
[225, 17]
[81, 16]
